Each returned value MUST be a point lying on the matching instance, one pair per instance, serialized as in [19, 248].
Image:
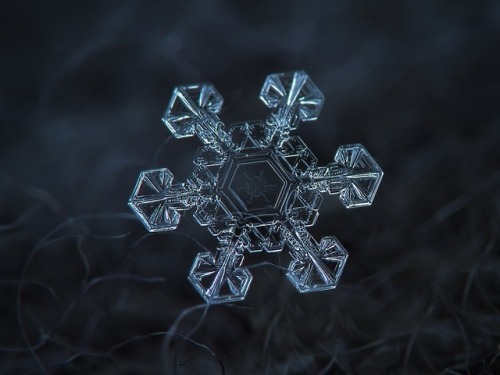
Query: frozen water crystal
[255, 187]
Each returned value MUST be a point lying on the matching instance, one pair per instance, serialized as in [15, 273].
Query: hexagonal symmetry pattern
[255, 187]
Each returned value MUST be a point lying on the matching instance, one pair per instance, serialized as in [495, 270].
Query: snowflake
[255, 187]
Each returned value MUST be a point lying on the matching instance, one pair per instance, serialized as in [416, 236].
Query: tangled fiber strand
[83, 87]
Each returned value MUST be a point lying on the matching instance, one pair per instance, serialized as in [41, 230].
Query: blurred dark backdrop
[83, 86]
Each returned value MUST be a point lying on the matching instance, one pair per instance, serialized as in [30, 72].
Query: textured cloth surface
[85, 290]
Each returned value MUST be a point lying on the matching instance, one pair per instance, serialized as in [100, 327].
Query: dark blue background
[83, 86]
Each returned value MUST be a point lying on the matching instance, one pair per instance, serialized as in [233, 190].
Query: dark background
[84, 288]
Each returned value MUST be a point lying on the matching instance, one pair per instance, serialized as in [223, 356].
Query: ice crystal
[255, 187]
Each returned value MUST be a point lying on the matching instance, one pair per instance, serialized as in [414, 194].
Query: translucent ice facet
[295, 92]
[208, 156]
[318, 267]
[193, 110]
[298, 155]
[363, 177]
[219, 282]
[354, 175]
[255, 187]
[294, 98]
[156, 202]
[188, 106]
[247, 135]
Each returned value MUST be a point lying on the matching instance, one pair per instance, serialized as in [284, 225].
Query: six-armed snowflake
[255, 187]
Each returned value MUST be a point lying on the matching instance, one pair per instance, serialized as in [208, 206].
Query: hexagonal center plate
[256, 185]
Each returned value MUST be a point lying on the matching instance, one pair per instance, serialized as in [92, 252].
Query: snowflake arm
[193, 110]
[294, 98]
[315, 266]
[353, 174]
[157, 202]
